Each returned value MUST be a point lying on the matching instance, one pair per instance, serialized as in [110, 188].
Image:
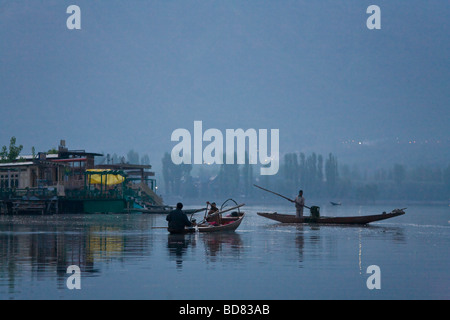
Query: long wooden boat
[286, 218]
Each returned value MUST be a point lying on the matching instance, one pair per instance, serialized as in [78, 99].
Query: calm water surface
[126, 257]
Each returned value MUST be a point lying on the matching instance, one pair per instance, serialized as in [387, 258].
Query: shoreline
[310, 201]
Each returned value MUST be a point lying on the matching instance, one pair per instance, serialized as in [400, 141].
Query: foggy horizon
[136, 72]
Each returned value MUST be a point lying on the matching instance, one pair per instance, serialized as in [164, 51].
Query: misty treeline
[132, 157]
[320, 177]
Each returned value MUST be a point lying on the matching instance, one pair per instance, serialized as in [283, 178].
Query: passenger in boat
[178, 220]
[214, 220]
[299, 204]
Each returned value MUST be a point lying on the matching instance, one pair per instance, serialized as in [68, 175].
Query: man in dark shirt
[178, 220]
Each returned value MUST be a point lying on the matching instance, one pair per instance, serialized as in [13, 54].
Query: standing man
[299, 204]
[178, 220]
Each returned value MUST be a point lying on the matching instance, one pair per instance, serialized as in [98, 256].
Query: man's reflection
[177, 245]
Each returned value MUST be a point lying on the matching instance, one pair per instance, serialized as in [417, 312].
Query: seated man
[178, 220]
[211, 218]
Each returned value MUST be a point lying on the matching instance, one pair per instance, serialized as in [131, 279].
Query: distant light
[360, 142]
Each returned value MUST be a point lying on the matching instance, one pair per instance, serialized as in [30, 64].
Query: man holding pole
[299, 204]
[299, 201]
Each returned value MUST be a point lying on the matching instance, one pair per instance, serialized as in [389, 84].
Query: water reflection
[216, 246]
[177, 245]
[321, 242]
[220, 245]
[41, 247]
[107, 247]
[300, 244]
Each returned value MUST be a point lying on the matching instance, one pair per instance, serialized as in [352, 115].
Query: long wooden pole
[274, 193]
[280, 195]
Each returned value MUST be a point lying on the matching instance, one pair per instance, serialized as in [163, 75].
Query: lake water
[126, 257]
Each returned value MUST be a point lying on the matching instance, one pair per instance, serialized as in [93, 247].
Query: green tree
[4, 154]
[13, 153]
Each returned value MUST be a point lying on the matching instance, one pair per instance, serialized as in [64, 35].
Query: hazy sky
[138, 70]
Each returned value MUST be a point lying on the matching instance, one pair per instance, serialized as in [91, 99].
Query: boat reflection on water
[219, 245]
[216, 246]
[314, 242]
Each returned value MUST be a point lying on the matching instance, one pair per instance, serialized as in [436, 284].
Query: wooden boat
[286, 218]
[229, 223]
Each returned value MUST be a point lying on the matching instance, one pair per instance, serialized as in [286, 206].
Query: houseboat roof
[16, 164]
[79, 153]
[31, 157]
[123, 166]
[30, 163]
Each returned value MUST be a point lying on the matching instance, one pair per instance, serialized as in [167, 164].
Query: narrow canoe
[229, 224]
[286, 218]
